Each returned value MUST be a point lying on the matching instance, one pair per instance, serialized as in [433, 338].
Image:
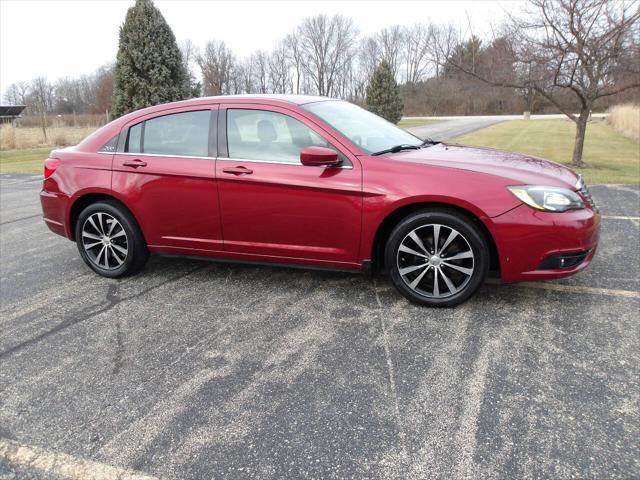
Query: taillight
[50, 165]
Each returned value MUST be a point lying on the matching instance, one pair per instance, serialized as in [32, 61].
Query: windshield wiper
[397, 148]
[428, 142]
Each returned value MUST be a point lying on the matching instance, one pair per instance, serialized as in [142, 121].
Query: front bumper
[526, 238]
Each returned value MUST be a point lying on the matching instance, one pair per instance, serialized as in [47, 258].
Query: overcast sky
[68, 38]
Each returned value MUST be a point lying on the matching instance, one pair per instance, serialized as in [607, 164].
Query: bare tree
[416, 49]
[14, 96]
[280, 69]
[190, 53]
[190, 56]
[260, 61]
[368, 57]
[24, 90]
[362, 67]
[217, 63]
[103, 79]
[42, 96]
[390, 42]
[571, 53]
[246, 74]
[295, 58]
[68, 95]
[442, 40]
[81, 95]
[327, 46]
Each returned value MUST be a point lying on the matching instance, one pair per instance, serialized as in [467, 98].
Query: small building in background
[9, 113]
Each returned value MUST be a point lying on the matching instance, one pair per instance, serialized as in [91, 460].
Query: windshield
[368, 131]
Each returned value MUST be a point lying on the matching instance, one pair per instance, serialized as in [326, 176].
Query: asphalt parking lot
[195, 370]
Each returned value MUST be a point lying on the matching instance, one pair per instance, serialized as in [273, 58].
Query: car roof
[247, 98]
[291, 98]
[272, 99]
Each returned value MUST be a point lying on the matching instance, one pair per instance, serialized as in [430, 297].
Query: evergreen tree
[383, 94]
[149, 68]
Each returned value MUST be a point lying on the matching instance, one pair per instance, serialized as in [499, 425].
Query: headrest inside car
[266, 131]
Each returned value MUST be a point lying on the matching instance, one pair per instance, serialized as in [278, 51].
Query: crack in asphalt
[10, 182]
[21, 219]
[392, 379]
[112, 301]
[112, 296]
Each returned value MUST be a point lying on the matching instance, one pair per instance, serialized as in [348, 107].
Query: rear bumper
[54, 211]
[526, 237]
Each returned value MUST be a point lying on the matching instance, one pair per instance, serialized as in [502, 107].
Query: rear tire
[109, 240]
[437, 258]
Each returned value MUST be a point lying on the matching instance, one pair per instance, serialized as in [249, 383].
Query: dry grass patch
[626, 120]
[18, 138]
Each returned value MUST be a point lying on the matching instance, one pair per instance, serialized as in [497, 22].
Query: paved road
[548, 116]
[197, 370]
[447, 129]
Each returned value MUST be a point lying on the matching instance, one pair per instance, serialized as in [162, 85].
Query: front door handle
[134, 163]
[238, 170]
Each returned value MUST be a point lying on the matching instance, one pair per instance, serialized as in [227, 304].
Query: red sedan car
[302, 180]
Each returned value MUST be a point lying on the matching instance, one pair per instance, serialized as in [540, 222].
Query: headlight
[550, 199]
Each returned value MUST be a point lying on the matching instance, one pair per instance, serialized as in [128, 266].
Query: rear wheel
[437, 258]
[109, 240]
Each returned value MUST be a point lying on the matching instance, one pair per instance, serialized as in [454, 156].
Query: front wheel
[437, 258]
[109, 240]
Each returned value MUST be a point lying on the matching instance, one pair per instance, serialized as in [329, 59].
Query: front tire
[437, 258]
[109, 240]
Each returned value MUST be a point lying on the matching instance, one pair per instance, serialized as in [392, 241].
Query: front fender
[387, 190]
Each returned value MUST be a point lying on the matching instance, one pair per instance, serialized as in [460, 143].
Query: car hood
[517, 168]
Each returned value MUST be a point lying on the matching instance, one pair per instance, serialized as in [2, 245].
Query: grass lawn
[23, 161]
[610, 156]
[411, 122]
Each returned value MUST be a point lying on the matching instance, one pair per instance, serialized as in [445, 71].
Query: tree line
[569, 56]
[326, 55]
[87, 94]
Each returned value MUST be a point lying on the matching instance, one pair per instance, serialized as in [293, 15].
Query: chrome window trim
[131, 154]
[344, 167]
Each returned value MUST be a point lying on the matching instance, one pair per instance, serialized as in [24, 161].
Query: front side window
[268, 136]
[134, 141]
[181, 134]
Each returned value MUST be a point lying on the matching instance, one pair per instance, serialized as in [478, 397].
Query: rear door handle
[238, 170]
[134, 163]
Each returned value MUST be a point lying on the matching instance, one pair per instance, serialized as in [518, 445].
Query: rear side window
[111, 146]
[184, 133]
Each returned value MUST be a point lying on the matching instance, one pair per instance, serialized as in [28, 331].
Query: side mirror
[319, 157]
